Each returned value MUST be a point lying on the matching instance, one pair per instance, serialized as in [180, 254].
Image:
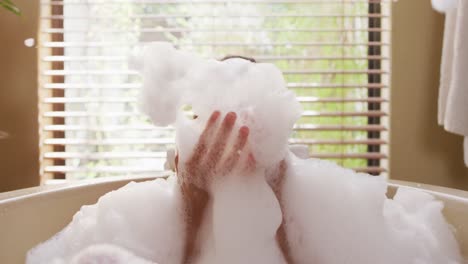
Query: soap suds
[332, 215]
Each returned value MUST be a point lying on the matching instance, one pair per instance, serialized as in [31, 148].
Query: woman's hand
[213, 157]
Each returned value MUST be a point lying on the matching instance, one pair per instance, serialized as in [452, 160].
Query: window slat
[214, 2]
[337, 142]
[349, 156]
[162, 155]
[214, 30]
[84, 100]
[171, 141]
[103, 169]
[130, 72]
[310, 127]
[307, 127]
[104, 155]
[341, 100]
[213, 44]
[342, 114]
[109, 141]
[156, 171]
[138, 85]
[159, 173]
[210, 15]
[259, 58]
[83, 114]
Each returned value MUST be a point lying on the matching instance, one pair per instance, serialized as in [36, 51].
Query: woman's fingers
[236, 151]
[202, 146]
[209, 157]
[219, 145]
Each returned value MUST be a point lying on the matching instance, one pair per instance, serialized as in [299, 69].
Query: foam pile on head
[255, 91]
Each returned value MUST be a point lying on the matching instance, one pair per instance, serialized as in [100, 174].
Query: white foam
[257, 92]
[246, 216]
[107, 254]
[143, 218]
[348, 219]
[332, 215]
[29, 42]
[444, 6]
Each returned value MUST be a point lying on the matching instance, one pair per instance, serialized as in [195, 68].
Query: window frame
[374, 53]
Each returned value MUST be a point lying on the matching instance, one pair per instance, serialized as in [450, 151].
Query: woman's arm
[209, 160]
[276, 181]
[195, 202]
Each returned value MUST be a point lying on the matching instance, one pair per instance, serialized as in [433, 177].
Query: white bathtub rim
[45, 190]
[35, 192]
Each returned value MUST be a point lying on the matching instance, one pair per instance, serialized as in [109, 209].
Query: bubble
[29, 42]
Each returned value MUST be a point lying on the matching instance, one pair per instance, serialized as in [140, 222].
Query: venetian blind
[334, 55]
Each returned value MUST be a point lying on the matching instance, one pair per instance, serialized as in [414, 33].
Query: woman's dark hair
[238, 57]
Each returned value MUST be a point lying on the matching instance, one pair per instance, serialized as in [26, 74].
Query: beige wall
[18, 98]
[421, 151]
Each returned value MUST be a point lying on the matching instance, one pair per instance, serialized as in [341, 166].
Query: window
[334, 55]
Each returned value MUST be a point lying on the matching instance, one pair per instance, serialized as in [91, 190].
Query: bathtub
[32, 215]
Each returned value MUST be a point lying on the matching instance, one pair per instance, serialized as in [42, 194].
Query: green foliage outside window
[130, 18]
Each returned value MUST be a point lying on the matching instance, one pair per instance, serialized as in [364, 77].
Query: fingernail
[244, 131]
[231, 114]
[215, 115]
[231, 117]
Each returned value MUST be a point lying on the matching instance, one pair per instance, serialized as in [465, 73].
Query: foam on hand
[332, 215]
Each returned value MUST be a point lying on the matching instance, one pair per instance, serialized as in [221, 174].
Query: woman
[205, 165]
